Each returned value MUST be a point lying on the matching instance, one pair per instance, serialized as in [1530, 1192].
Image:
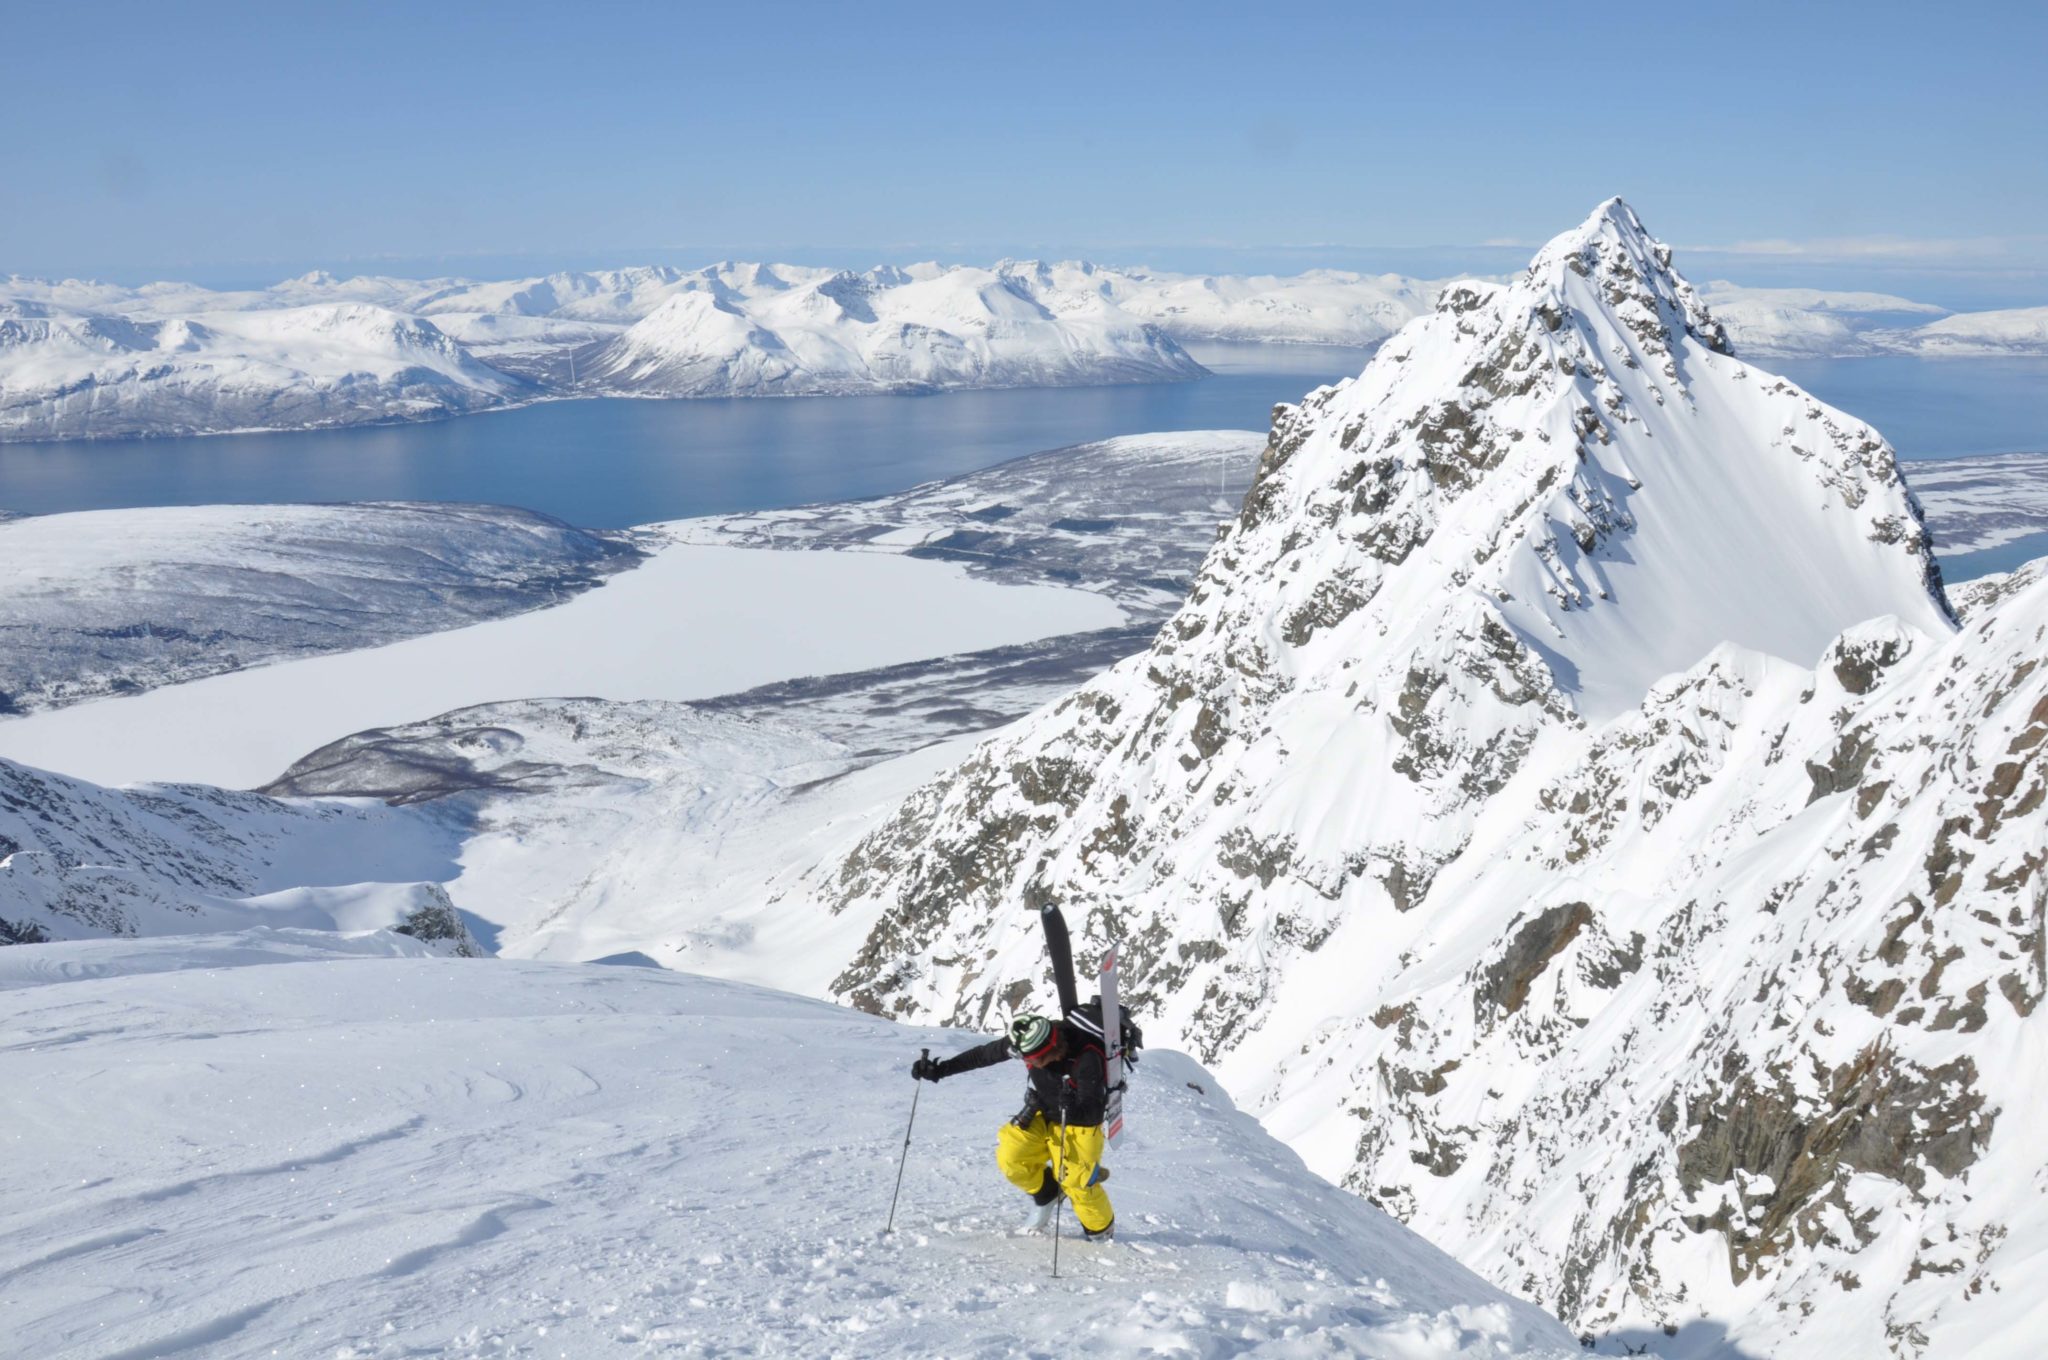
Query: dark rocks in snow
[438, 921]
[1504, 985]
[1878, 1115]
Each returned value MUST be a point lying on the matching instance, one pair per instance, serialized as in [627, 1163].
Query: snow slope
[666, 630]
[117, 601]
[389, 1157]
[78, 861]
[592, 829]
[2020, 330]
[1566, 805]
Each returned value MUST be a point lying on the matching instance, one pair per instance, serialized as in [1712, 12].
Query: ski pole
[916, 1090]
[1059, 1156]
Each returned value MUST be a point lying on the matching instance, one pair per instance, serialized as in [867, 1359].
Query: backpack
[1087, 1018]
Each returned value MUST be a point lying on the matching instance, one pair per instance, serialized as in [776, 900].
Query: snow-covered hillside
[1129, 517]
[78, 861]
[107, 376]
[2019, 330]
[1483, 812]
[118, 601]
[371, 1157]
[1811, 322]
[1814, 323]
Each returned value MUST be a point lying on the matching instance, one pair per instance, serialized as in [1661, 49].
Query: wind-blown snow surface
[117, 601]
[1565, 800]
[391, 1157]
[688, 624]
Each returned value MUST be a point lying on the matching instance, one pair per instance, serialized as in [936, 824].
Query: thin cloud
[1972, 250]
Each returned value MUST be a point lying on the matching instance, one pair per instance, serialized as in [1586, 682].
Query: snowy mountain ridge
[884, 330]
[81, 358]
[92, 361]
[299, 367]
[1484, 812]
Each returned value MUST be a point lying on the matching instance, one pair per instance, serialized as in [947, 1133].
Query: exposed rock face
[438, 922]
[1565, 801]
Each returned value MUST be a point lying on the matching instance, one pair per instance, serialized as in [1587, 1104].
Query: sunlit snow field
[345, 1156]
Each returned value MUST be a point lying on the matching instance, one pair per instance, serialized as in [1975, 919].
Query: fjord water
[611, 463]
[616, 462]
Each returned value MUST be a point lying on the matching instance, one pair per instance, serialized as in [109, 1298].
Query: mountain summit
[1532, 505]
[1523, 727]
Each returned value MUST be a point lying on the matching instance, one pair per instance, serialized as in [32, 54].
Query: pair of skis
[1061, 946]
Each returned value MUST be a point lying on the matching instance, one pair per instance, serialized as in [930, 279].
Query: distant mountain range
[91, 360]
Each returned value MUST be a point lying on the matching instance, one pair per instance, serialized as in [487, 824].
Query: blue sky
[1870, 145]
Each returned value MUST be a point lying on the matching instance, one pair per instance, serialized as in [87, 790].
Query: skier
[1054, 1144]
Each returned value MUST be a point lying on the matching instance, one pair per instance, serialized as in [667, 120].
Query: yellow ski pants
[1024, 1154]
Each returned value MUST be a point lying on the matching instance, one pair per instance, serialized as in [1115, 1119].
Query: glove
[925, 1068]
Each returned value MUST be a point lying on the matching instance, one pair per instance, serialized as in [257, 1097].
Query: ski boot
[1043, 1204]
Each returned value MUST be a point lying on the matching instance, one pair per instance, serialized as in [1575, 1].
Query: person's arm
[981, 1055]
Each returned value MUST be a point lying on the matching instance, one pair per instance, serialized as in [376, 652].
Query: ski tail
[1113, 1050]
[1061, 947]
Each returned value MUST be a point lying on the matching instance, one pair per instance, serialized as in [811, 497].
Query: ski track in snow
[380, 1158]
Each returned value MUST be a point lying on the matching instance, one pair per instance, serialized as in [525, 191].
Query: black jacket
[1076, 1085]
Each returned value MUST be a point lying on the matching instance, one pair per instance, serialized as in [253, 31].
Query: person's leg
[1024, 1156]
[1080, 1153]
